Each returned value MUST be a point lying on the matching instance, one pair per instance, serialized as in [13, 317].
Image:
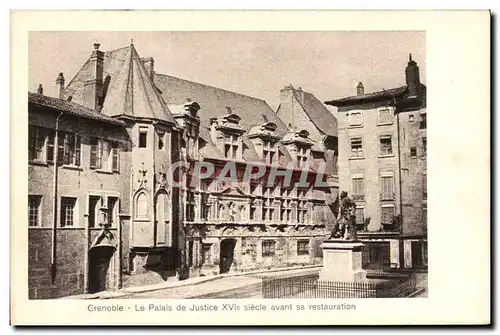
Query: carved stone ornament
[141, 176]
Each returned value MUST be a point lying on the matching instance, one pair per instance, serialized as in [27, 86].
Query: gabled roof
[70, 107]
[369, 97]
[319, 115]
[128, 89]
[213, 102]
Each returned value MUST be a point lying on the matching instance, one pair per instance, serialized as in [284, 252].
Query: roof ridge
[206, 85]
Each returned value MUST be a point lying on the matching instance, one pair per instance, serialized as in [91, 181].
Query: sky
[328, 64]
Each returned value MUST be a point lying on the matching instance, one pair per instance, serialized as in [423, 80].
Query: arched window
[160, 208]
[141, 206]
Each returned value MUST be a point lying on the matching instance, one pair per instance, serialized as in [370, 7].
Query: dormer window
[269, 151]
[302, 156]
[231, 146]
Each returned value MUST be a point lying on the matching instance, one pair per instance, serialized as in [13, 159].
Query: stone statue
[345, 224]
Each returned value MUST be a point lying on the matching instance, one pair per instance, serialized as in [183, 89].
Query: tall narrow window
[358, 189]
[360, 215]
[231, 146]
[113, 211]
[423, 121]
[386, 145]
[269, 151]
[387, 187]
[94, 162]
[141, 207]
[143, 138]
[424, 146]
[356, 147]
[94, 202]
[302, 157]
[190, 205]
[68, 207]
[115, 164]
[34, 202]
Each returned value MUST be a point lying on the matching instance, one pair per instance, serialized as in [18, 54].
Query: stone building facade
[382, 164]
[122, 218]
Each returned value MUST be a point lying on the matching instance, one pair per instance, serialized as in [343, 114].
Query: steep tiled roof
[70, 107]
[374, 96]
[319, 115]
[213, 102]
[130, 91]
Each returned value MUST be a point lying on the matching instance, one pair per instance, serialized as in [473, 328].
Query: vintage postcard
[250, 168]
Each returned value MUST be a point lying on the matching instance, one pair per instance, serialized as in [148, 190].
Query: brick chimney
[92, 92]
[149, 64]
[60, 85]
[39, 90]
[412, 77]
[360, 89]
[286, 111]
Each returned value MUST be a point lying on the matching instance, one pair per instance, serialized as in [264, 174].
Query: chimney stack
[149, 64]
[360, 89]
[412, 77]
[93, 88]
[60, 85]
[39, 90]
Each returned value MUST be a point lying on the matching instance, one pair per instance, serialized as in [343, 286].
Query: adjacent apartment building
[382, 158]
[103, 212]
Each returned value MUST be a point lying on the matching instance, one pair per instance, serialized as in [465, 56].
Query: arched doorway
[226, 255]
[99, 261]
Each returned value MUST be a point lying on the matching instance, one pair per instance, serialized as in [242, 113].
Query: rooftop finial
[410, 58]
[96, 45]
[131, 41]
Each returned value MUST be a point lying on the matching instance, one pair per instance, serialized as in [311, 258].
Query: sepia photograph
[303, 178]
[250, 168]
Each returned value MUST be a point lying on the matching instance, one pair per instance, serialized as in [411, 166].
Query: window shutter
[32, 142]
[50, 147]
[78, 153]
[60, 147]
[116, 157]
[69, 149]
[93, 153]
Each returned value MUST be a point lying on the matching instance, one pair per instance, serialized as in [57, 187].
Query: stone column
[407, 253]
[294, 211]
[395, 254]
[258, 209]
[277, 211]
[197, 207]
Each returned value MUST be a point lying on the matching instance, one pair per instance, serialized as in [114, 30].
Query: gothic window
[190, 205]
[141, 206]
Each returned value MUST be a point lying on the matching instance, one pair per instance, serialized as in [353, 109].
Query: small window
[386, 145]
[303, 247]
[360, 215]
[356, 147]
[356, 119]
[68, 208]
[34, 202]
[358, 189]
[387, 215]
[143, 139]
[161, 143]
[423, 121]
[411, 117]
[268, 248]
[413, 152]
[385, 116]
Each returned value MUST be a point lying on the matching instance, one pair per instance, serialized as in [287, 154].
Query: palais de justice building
[103, 213]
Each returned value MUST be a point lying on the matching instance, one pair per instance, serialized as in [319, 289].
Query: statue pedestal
[342, 261]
